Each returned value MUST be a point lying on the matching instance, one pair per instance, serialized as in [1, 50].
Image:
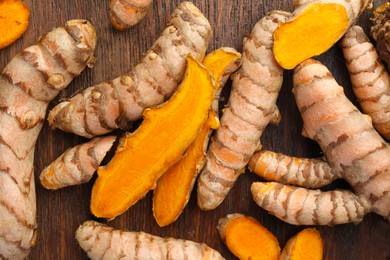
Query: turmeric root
[380, 31]
[355, 151]
[103, 242]
[307, 244]
[29, 81]
[157, 144]
[370, 80]
[314, 27]
[77, 164]
[14, 20]
[114, 104]
[127, 13]
[303, 172]
[248, 239]
[251, 107]
[174, 188]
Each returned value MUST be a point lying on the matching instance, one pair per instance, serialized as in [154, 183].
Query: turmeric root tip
[14, 16]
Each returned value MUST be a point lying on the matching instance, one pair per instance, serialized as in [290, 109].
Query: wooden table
[60, 212]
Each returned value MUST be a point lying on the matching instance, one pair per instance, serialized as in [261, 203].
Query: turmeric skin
[127, 13]
[14, 20]
[306, 245]
[380, 31]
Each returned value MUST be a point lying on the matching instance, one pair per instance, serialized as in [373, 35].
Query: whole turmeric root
[77, 164]
[355, 151]
[103, 242]
[314, 27]
[370, 80]
[380, 31]
[113, 104]
[251, 107]
[14, 20]
[127, 13]
[29, 81]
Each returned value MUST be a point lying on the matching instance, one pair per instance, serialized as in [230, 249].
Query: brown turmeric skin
[127, 13]
[380, 31]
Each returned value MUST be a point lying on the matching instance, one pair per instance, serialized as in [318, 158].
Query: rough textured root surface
[14, 20]
[380, 31]
[307, 244]
[103, 242]
[300, 206]
[29, 81]
[251, 107]
[303, 172]
[248, 239]
[127, 13]
[100, 109]
[314, 27]
[351, 145]
[370, 80]
[77, 164]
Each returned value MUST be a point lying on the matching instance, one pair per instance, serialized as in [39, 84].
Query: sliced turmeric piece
[307, 244]
[143, 156]
[248, 239]
[313, 28]
[174, 187]
[14, 20]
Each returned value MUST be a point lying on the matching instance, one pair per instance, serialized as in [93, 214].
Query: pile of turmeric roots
[182, 140]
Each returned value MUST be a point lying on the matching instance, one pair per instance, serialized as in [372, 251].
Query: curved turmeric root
[251, 107]
[307, 244]
[174, 187]
[248, 239]
[380, 31]
[160, 141]
[27, 84]
[77, 164]
[115, 103]
[127, 13]
[314, 27]
[103, 242]
[14, 20]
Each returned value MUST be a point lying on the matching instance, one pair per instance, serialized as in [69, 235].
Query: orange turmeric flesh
[311, 33]
[14, 20]
[160, 141]
[306, 245]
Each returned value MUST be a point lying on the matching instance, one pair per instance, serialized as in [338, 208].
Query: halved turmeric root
[307, 244]
[248, 239]
[143, 156]
[174, 187]
[14, 20]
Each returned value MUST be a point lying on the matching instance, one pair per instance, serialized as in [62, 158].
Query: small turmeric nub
[307, 244]
[248, 239]
[14, 20]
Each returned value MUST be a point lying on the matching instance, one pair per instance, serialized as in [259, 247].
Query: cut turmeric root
[307, 244]
[165, 134]
[14, 20]
[299, 39]
[248, 239]
[174, 187]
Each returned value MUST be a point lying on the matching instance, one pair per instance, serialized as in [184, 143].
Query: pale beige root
[314, 27]
[300, 206]
[380, 31]
[251, 107]
[307, 244]
[77, 164]
[103, 242]
[370, 80]
[303, 172]
[29, 81]
[127, 13]
[113, 104]
[248, 239]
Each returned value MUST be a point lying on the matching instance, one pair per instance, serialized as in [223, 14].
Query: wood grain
[61, 212]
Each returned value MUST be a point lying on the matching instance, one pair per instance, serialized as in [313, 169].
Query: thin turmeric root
[248, 239]
[127, 13]
[314, 27]
[174, 187]
[145, 155]
[306, 245]
[103, 242]
[14, 20]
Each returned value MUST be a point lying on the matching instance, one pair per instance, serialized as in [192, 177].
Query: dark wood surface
[60, 212]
